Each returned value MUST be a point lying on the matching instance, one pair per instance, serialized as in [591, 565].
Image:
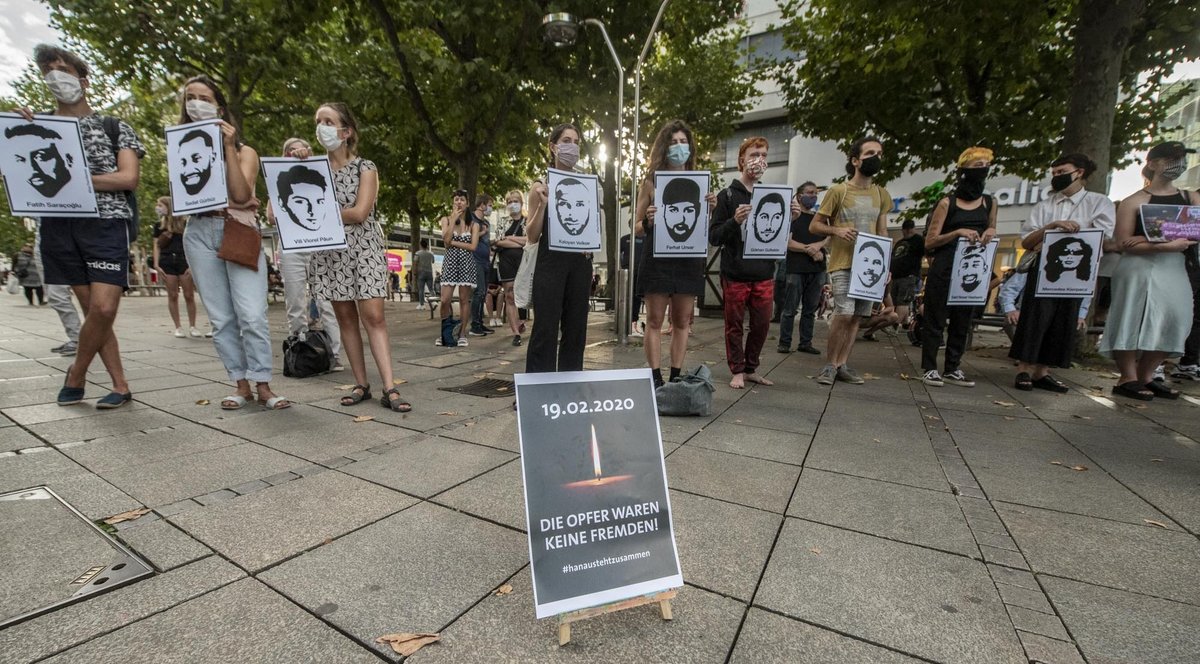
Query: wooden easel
[663, 599]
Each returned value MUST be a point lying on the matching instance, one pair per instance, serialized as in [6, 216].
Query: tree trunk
[1101, 38]
[613, 228]
[414, 220]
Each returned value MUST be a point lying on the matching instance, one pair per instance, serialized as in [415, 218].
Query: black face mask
[870, 166]
[1061, 181]
[970, 183]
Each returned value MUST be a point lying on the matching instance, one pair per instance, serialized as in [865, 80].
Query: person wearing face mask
[1045, 334]
[854, 206]
[805, 273]
[968, 214]
[171, 264]
[511, 249]
[666, 280]
[235, 296]
[747, 284]
[561, 281]
[482, 254]
[1151, 312]
[91, 255]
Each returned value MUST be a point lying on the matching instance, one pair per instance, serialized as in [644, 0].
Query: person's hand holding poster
[1069, 263]
[1164, 223]
[196, 167]
[45, 167]
[302, 197]
[574, 211]
[766, 230]
[972, 273]
[869, 272]
[681, 217]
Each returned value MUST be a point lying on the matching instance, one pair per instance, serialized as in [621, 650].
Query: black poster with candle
[596, 504]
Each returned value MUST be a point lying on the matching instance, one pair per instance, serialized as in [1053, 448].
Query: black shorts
[77, 252]
[173, 264]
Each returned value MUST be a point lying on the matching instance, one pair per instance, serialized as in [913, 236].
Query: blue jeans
[481, 274]
[800, 289]
[235, 298]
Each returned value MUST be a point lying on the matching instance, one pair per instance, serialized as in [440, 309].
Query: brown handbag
[242, 243]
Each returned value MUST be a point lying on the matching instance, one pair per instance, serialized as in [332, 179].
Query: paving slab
[930, 604]
[340, 438]
[164, 545]
[907, 514]
[89, 428]
[498, 495]
[52, 412]
[494, 430]
[135, 449]
[768, 416]
[267, 526]
[722, 547]
[91, 495]
[768, 637]
[242, 622]
[427, 466]
[171, 480]
[502, 628]
[733, 478]
[16, 438]
[1117, 627]
[415, 571]
[901, 456]
[1108, 553]
[771, 444]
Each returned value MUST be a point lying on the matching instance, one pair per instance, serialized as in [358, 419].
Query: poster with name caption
[869, 272]
[307, 214]
[196, 167]
[681, 219]
[1069, 263]
[971, 273]
[768, 228]
[574, 215]
[1164, 223]
[596, 504]
[45, 167]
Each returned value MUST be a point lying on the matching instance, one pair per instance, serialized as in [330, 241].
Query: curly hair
[1054, 253]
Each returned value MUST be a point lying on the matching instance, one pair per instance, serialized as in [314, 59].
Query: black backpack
[112, 127]
[308, 356]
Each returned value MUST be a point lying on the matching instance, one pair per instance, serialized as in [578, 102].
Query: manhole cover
[487, 387]
[53, 556]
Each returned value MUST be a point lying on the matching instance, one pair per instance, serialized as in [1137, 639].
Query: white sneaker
[463, 342]
[197, 333]
[1159, 375]
[437, 342]
[420, 307]
[1186, 372]
[933, 378]
[179, 332]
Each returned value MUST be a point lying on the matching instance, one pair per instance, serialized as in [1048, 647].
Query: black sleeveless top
[1178, 198]
[956, 218]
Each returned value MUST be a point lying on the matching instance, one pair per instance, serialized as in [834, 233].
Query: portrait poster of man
[872, 260]
[196, 167]
[45, 168]
[681, 219]
[1164, 223]
[971, 273]
[574, 216]
[302, 197]
[767, 229]
[1069, 263]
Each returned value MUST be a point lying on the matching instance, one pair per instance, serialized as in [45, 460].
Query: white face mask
[65, 87]
[327, 135]
[161, 211]
[514, 209]
[198, 110]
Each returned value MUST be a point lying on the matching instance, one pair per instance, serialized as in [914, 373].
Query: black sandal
[398, 405]
[1133, 390]
[1051, 384]
[357, 394]
[1024, 382]
[1161, 390]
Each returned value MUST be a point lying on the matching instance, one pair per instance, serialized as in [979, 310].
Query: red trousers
[758, 298]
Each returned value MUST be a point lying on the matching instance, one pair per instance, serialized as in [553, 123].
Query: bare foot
[737, 383]
[760, 380]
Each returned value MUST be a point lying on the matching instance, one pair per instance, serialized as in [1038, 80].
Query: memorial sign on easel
[598, 514]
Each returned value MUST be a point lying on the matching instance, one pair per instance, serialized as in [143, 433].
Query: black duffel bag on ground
[308, 356]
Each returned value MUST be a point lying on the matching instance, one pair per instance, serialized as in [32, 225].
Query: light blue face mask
[678, 154]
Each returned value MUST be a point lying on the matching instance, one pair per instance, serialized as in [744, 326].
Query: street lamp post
[561, 30]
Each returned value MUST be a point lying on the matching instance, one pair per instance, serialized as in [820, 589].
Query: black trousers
[1191, 348]
[939, 317]
[561, 285]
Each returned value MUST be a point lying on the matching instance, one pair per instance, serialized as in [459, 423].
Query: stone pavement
[887, 522]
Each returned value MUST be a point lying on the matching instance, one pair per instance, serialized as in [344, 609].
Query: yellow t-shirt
[848, 205]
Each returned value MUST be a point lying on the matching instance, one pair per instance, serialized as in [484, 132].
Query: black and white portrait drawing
[302, 197]
[971, 273]
[868, 274]
[45, 168]
[574, 211]
[1068, 263]
[681, 213]
[770, 214]
[196, 167]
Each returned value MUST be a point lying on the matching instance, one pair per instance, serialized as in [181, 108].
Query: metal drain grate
[487, 387]
[53, 556]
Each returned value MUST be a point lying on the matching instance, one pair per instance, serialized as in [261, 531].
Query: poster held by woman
[1069, 263]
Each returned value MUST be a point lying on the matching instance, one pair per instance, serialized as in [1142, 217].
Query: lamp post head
[560, 28]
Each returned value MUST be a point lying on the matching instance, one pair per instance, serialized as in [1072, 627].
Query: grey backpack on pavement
[691, 394]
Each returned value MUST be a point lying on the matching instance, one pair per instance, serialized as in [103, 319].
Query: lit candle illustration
[598, 478]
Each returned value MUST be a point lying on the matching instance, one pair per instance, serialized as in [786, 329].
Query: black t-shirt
[174, 246]
[799, 262]
[906, 256]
